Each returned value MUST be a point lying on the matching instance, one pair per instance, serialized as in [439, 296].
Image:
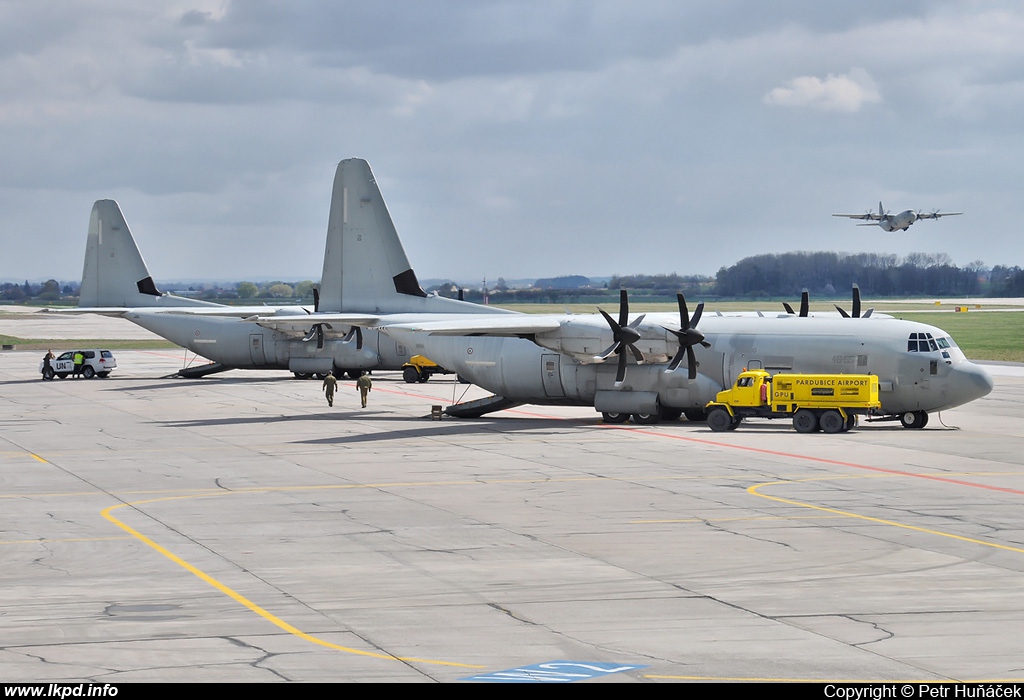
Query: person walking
[363, 385]
[330, 384]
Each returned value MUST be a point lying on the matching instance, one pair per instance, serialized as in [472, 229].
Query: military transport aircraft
[365, 271]
[896, 222]
[561, 359]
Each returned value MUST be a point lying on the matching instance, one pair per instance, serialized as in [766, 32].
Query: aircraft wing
[300, 325]
[482, 324]
[938, 214]
[867, 216]
[98, 310]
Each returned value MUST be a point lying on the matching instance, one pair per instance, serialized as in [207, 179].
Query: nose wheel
[914, 420]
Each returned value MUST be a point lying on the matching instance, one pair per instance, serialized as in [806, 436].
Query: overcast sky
[514, 139]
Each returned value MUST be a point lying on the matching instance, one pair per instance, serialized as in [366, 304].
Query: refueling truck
[828, 402]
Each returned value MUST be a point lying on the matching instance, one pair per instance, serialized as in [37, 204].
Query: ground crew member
[364, 384]
[79, 361]
[330, 384]
[46, 361]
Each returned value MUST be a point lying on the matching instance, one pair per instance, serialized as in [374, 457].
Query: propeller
[856, 306]
[805, 299]
[624, 336]
[317, 330]
[688, 336]
[358, 333]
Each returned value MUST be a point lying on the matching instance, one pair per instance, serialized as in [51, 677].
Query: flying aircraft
[897, 222]
[366, 272]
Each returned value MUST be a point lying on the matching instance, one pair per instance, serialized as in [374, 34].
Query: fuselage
[919, 366]
[898, 222]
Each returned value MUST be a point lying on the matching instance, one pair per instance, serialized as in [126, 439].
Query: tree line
[759, 276]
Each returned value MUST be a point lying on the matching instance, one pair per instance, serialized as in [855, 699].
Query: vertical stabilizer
[365, 266]
[114, 274]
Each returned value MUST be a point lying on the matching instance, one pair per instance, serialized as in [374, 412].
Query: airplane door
[256, 349]
[552, 375]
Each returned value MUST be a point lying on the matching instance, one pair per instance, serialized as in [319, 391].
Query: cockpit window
[924, 342]
[943, 343]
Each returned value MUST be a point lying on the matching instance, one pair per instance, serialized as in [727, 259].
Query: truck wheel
[719, 420]
[48, 373]
[914, 419]
[411, 375]
[424, 377]
[832, 421]
[804, 421]
[88, 372]
[615, 417]
[736, 420]
[103, 375]
[851, 422]
[62, 375]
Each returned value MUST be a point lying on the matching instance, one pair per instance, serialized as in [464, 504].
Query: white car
[95, 363]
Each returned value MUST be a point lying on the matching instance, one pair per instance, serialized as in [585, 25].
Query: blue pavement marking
[553, 672]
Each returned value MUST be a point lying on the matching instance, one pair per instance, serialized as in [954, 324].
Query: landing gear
[914, 420]
[615, 418]
[302, 375]
[646, 418]
[695, 415]
[670, 414]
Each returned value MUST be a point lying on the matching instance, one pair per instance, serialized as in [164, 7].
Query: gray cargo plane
[897, 222]
[366, 272]
[561, 359]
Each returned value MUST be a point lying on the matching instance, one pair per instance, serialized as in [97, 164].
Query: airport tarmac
[234, 528]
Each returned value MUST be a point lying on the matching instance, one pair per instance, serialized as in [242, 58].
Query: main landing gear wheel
[832, 421]
[805, 421]
[646, 418]
[695, 415]
[614, 418]
[302, 375]
[914, 420]
[670, 414]
[719, 420]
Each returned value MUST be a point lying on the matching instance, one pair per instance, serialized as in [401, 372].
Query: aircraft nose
[969, 382]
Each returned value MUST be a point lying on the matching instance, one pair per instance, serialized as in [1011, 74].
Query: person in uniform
[79, 361]
[330, 384]
[46, 361]
[363, 385]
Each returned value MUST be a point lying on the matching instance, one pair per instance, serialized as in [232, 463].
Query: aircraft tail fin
[881, 212]
[365, 266]
[114, 273]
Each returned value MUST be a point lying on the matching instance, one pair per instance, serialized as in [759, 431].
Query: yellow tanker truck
[829, 402]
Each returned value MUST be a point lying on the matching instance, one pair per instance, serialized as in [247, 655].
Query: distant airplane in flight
[896, 222]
